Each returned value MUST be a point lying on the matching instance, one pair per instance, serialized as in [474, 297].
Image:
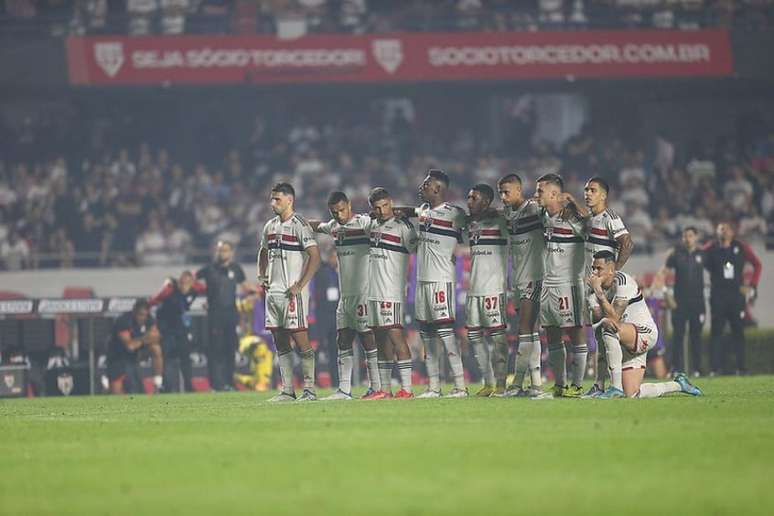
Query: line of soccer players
[566, 275]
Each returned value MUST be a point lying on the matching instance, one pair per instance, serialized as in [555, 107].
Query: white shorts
[645, 340]
[287, 313]
[435, 302]
[352, 313]
[564, 306]
[385, 314]
[485, 312]
[528, 290]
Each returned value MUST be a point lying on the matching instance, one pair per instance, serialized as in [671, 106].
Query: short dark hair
[377, 194]
[484, 190]
[337, 197]
[691, 228]
[140, 304]
[510, 178]
[440, 175]
[601, 182]
[608, 256]
[284, 188]
[552, 178]
[224, 242]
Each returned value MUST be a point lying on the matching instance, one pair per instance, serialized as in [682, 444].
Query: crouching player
[628, 332]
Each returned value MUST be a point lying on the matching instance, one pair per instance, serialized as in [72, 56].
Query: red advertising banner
[405, 57]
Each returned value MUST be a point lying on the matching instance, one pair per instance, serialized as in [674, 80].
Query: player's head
[480, 198]
[690, 237]
[283, 195]
[340, 207]
[185, 281]
[510, 190]
[725, 231]
[141, 311]
[381, 203]
[595, 193]
[604, 267]
[434, 186]
[224, 252]
[549, 189]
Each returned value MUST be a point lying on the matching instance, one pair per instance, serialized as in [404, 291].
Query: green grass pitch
[235, 454]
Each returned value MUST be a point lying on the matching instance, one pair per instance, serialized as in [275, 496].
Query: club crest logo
[376, 237]
[474, 233]
[65, 383]
[109, 57]
[340, 234]
[427, 223]
[388, 53]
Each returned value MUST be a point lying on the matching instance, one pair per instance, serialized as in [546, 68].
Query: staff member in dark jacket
[687, 262]
[725, 259]
[222, 277]
[131, 333]
[175, 299]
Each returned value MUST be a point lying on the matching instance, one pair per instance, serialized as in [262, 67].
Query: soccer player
[485, 303]
[440, 230]
[174, 300]
[287, 261]
[562, 302]
[132, 332]
[392, 241]
[627, 328]
[605, 231]
[352, 239]
[527, 245]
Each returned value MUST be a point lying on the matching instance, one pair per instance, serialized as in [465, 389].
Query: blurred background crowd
[142, 17]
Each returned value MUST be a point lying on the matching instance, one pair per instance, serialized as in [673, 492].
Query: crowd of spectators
[295, 17]
[142, 205]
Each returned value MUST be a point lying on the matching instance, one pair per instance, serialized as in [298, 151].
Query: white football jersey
[602, 230]
[488, 241]
[392, 241]
[440, 230]
[353, 245]
[565, 254]
[286, 243]
[625, 288]
[527, 243]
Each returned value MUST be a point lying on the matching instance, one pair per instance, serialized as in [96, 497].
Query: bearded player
[527, 245]
[605, 231]
[485, 303]
[563, 309]
[351, 233]
[628, 330]
[287, 261]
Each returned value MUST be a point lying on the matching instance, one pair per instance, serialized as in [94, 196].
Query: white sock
[286, 372]
[557, 357]
[453, 354]
[655, 390]
[345, 370]
[500, 357]
[535, 373]
[522, 359]
[614, 356]
[372, 363]
[158, 381]
[580, 353]
[385, 375]
[432, 359]
[307, 368]
[483, 356]
[404, 371]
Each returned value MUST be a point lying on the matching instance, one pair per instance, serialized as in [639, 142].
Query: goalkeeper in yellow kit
[255, 349]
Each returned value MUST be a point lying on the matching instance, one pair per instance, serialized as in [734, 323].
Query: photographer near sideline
[133, 334]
